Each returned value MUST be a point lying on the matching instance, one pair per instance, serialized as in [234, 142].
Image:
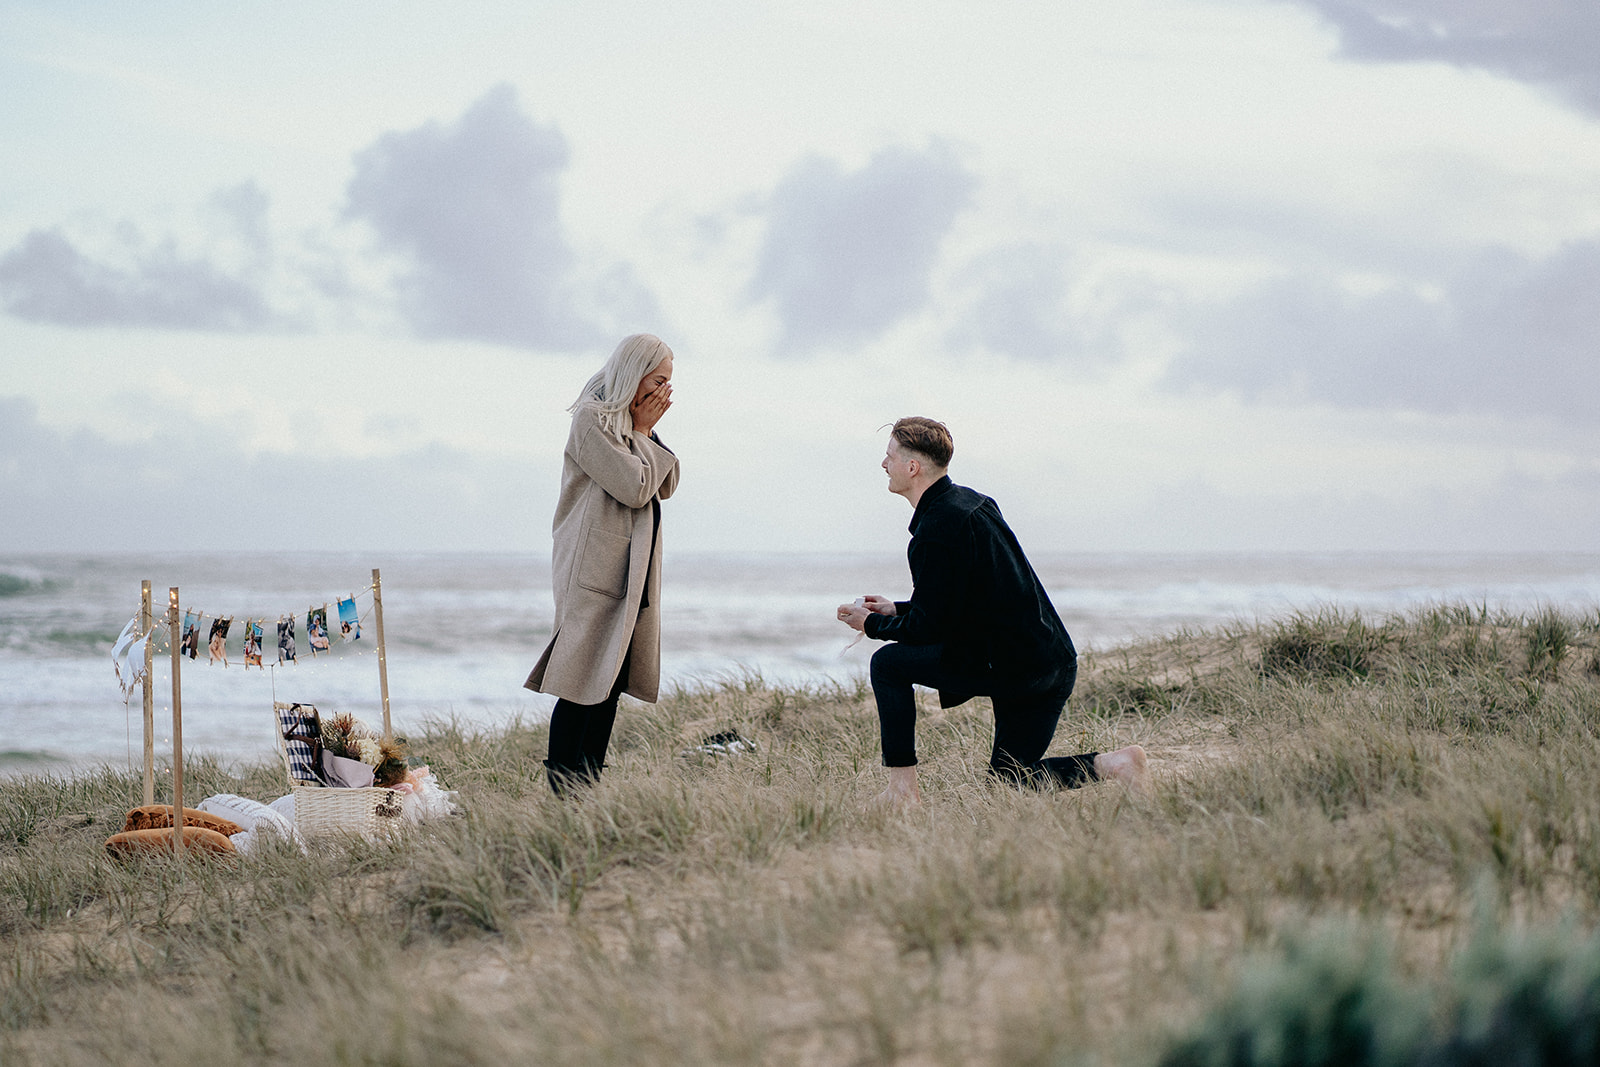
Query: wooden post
[146, 625]
[383, 664]
[177, 722]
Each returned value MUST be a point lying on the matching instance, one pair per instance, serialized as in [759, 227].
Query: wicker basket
[369, 811]
[320, 809]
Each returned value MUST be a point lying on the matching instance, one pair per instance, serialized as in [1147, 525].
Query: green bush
[1530, 1000]
[1331, 1000]
[1524, 1000]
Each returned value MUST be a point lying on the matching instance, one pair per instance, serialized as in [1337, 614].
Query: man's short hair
[925, 437]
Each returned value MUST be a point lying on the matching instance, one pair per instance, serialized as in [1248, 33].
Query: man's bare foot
[902, 792]
[1125, 765]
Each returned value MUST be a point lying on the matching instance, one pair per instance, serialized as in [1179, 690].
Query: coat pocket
[604, 566]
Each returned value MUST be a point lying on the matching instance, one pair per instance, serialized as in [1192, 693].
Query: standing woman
[607, 559]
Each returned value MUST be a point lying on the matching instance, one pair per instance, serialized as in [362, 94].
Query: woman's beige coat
[607, 562]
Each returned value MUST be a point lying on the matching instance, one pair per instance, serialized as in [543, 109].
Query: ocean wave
[29, 760]
[24, 581]
[83, 641]
[22, 639]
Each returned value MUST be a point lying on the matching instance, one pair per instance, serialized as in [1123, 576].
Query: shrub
[1530, 999]
[1533, 999]
[1332, 1000]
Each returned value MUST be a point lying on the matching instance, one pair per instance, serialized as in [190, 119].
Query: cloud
[471, 208]
[190, 488]
[1031, 301]
[46, 278]
[1504, 335]
[244, 207]
[846, 255]
[475, 208]
[1546, 42]
[1018, 304]
[1509, 512]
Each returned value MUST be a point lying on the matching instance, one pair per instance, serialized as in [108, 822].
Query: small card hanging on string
[191, 634]
[349, 620]
[252, 643]
[218, 644]
[286, 639]
[317, 629]
[127, 657]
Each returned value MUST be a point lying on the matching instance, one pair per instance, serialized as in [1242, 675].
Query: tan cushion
[195, 839]
[159, 816]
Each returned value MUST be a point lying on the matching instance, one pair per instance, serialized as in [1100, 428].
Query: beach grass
[1337, 803]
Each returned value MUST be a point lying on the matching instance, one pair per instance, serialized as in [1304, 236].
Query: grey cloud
[1509, 513]
[475, 206]
[244, 209]
[1016, 300]
[1018, 304]
[191, 488]
[1507, 335]
[846, 255]
[46, 278]
[1546, 42]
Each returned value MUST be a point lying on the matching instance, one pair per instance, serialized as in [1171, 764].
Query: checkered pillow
[302, 741]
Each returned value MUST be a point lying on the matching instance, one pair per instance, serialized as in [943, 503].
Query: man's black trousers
[1023, 725]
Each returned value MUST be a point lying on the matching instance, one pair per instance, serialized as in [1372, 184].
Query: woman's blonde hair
[610, 392]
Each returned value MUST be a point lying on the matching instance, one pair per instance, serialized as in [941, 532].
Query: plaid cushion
[302, 740]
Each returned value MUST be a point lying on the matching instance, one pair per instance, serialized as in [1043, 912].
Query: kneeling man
[978, 623]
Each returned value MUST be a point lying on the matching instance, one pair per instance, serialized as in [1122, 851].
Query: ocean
[462, 630]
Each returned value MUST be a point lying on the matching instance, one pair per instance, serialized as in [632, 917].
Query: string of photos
[339, 620]
[133, 656]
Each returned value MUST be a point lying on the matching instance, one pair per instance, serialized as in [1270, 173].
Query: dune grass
[1398, 776]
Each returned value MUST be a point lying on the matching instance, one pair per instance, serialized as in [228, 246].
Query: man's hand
[854, 615]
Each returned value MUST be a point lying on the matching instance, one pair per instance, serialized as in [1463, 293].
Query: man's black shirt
[974, 592]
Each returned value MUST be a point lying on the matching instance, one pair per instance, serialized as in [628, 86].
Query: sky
[1180, 275]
